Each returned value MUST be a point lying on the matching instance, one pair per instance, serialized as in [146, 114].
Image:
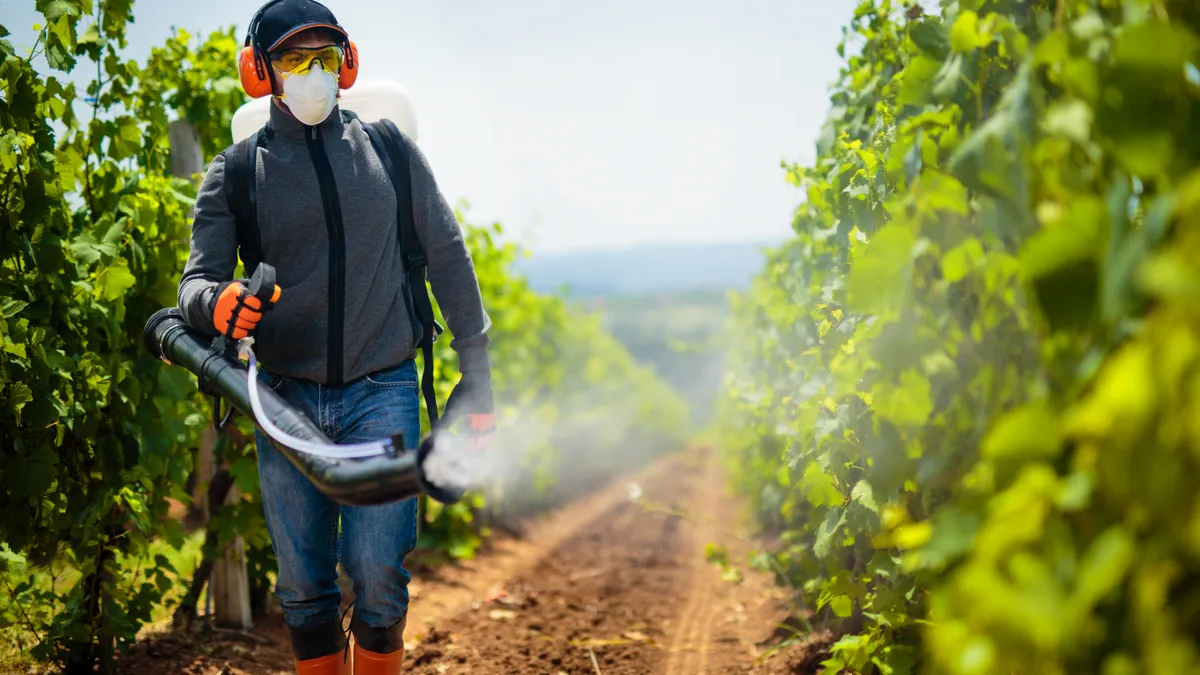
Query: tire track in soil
[690, 649]
[432, 598]
[631, 586]
[603, 588]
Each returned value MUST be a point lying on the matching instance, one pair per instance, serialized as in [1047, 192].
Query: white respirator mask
[310, 95]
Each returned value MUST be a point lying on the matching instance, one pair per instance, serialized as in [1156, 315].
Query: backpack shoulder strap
[395, 161]
[241, 193]
[385, 138]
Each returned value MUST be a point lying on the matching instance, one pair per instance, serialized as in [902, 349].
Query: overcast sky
[586, 124]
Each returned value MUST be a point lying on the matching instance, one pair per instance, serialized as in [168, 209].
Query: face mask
[310, 95]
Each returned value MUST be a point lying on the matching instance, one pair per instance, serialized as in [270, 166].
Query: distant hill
[666, 304]
[637, 270]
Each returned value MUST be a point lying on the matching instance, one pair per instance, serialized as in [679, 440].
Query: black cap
[280, 19]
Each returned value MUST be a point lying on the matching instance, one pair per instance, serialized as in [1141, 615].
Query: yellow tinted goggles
[301, 59]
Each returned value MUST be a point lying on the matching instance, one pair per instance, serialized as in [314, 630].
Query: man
[340, 341]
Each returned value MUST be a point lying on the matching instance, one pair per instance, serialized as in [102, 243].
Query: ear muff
[349, 71]
[252, 76]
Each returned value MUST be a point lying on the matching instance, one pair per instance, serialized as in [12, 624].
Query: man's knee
[375, 545]
[380, 587]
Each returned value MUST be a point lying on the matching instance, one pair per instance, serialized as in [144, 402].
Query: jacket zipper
[337, 252]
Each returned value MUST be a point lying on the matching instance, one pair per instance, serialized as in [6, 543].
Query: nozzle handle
[262, 285]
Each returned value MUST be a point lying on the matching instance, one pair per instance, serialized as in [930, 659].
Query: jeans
[304, 524]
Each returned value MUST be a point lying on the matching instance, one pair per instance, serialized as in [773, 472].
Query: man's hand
[472, 396]
[236, 313]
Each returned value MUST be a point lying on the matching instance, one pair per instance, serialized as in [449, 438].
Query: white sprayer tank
[370, 100]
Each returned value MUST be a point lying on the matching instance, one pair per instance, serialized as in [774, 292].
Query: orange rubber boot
[334, 664]
[370, 663]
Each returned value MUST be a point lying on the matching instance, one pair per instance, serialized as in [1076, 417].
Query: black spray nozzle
[446, 494]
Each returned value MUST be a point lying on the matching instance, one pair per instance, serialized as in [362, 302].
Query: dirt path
[629, 589]
[606, 585]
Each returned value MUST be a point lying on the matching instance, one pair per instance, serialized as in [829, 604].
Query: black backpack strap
[384, 137]
[241, 193]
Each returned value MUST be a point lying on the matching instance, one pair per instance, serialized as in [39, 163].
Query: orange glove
[482, 429]
[236, 313]
[472, 397]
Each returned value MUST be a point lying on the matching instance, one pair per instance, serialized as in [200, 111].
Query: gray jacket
[327, 221]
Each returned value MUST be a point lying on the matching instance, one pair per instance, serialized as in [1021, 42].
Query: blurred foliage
[967, 393]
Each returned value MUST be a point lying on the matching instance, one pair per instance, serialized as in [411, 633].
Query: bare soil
[605, 585]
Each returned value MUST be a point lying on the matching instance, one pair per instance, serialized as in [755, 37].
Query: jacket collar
[291, 128]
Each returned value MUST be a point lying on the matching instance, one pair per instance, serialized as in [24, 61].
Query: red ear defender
[349, 71]
[254, 85]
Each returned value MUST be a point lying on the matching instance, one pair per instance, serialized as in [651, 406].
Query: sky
[582, 125]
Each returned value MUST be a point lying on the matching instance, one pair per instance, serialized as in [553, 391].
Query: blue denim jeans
[304, 524]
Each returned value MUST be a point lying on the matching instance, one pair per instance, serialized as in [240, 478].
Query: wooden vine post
[229, 586]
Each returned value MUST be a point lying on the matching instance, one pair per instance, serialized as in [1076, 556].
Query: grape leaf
[116, 280]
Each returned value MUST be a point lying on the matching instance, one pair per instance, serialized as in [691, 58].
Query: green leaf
[965, 35]
[879, 280]
[1028, 432]
[55, 9]
[948, 79]
[19, 394]
[1155, 45]
[834, 520]
[62, 31]
[906, 404]
[939, 192]
[1070, 119]
[10, 307]
[91, 36]
[896, 660]
[244, 471]
[88, 251]
[958, 262]
[819, 487]
[1089, 26]
[954, 530]
[863, 494]
[128, 138]
[916, 80]
[1061, 262]
[17, 348]
[1104, 565]
[931, 37]
[885, 451]
[116, 280]
[993, 158]
[8, 557]
[842, 605]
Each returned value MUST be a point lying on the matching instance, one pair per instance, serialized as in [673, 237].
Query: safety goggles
[301, 59]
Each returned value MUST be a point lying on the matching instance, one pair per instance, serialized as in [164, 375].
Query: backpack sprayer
[359, 474]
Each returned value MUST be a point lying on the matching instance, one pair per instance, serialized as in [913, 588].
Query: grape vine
[971, 375]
